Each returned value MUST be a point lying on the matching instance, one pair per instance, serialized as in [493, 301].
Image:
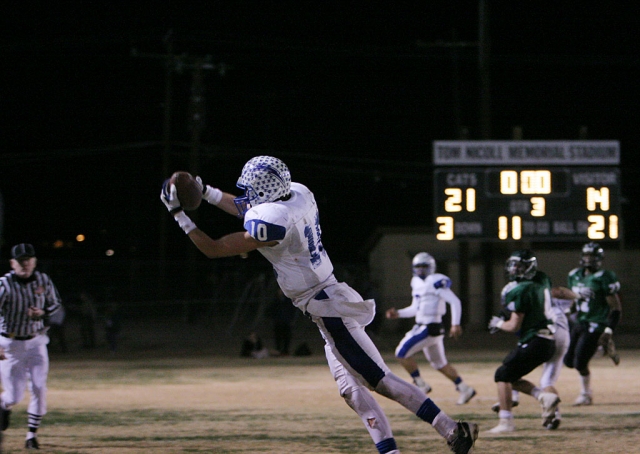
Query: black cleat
[551, 424]
[4, 418]
[463, 438]
[32, 443]
[496, 407]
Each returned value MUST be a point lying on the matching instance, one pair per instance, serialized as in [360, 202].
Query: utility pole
[166, 138]
[178, 64]
[455, 45]
[197, 114]
[484, 52]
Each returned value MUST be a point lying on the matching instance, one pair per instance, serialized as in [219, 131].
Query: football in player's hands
[189, 191]
[585, 293]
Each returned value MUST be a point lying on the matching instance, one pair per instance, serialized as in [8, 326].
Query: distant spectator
[88, 317]
[112, 326]
[283, 313]
[252, 347]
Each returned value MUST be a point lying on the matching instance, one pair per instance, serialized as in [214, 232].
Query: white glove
[209, 193]
[495, 324]
[585, 293]
[169, 196]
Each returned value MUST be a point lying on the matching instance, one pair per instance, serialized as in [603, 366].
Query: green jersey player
[523, 313]
[598, 313]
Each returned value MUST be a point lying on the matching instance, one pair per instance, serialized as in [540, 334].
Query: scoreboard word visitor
[538, 191]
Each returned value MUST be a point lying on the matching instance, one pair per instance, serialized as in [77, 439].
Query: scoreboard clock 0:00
[527, 203]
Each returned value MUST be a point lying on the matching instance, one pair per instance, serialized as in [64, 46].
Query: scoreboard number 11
[515, 204]
[529, 190]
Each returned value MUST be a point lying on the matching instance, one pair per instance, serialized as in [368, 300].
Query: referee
[27, 298]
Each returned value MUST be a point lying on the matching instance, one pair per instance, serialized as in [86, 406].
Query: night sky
[350, 96]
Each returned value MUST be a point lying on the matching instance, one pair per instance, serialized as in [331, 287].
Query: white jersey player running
[282, 222]
[431, 293]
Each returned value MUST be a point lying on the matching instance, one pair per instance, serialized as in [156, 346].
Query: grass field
[290, 405]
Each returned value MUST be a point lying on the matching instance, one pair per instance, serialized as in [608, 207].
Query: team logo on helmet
[263, 179]
[592, 256]
[522, 264]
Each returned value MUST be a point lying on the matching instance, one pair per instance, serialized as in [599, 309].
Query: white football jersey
[430, 296]
[559, 308]
[299, 260]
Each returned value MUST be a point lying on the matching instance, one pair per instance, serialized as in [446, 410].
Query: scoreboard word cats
[537, 191]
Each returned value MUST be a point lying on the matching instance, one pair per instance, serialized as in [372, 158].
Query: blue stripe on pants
[411, 342]
[352, 352]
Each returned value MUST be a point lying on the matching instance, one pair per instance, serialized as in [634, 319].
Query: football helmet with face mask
[592, 256]
[423, 265]
[263, 179]
[522, 264]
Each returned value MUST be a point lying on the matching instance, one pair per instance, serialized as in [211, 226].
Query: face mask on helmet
[521, 265]
[263, 179]
[592, 256]
[423, 265]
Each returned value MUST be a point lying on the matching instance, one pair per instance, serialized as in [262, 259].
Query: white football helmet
[423, 265]
[263, 179]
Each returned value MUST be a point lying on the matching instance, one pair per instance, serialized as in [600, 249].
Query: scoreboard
[532, 191]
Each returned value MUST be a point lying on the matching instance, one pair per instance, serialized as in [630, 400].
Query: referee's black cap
[22, 250]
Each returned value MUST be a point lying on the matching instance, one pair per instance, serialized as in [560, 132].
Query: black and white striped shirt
[17, 295]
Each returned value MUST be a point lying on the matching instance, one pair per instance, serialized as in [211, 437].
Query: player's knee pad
[8, 403]
[582, 365]
[401, 352]
[356, 398]
[568, 361]
[502, 375]
[348, 387]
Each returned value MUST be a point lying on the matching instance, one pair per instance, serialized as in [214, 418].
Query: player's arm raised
[216, 197]
[226, 246]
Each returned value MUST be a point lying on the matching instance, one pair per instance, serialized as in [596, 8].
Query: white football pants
[27, 364]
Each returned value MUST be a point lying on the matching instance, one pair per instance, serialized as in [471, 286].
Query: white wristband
[499, 324]
[608, 330]
[212, 195]
[185, 222]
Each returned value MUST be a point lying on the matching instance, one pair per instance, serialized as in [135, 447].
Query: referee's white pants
[27, 364]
